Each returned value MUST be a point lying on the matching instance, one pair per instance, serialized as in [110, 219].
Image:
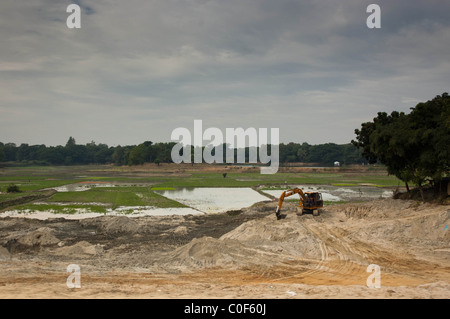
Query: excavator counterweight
[310, 202]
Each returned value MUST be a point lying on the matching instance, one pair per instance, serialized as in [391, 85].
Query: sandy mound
[112, 224]
[398, 221]
[351, 232]
[381, 209]
[425, 231]
[260, 242]
[207, 251]
[288, 236]
[121, 224]
[4, 254]
[179, 230]
[80, 248]
[307, 256]
[39, 237]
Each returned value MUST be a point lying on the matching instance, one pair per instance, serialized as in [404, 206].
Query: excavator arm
[287, 194]
[309, 202]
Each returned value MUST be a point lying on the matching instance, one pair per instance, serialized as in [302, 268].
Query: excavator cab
[314, 201]
[310, 202]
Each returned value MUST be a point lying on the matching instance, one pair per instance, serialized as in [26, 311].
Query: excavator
[310, 202]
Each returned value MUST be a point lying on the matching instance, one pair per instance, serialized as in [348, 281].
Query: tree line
[149, 152]
[415, 147]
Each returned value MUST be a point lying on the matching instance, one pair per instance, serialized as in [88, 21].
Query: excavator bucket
[278, 214]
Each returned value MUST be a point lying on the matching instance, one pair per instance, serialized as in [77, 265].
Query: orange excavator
[310, 202]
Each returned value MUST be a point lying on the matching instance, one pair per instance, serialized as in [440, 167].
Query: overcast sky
[138, 69]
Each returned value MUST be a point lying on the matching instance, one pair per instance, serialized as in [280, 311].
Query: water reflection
[215, 199]
[339, 193]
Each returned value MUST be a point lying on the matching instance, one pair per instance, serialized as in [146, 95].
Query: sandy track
[297, 257]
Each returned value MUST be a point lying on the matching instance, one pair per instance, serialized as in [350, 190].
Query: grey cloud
[138, 69]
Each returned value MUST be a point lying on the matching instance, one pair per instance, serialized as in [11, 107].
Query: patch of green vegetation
[8, 196]
[125, 179]
[153, 199]
[344, 184]
[13, 188]
[31, 179]
[60, 209]
[117, 196]
[217, 180]
[33, 183]
[256, 179]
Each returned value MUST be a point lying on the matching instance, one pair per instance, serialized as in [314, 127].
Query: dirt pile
[208, 252]
[79, 249]
[249, 253]
[262, 243]
[121, 224]
[40, 237]
[397, 221]
[289, 236]
[428, 229]
[351, 234]
[377, 209]
[112, 224]
[4, 254]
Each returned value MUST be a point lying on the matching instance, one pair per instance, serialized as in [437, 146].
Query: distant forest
[149, 152]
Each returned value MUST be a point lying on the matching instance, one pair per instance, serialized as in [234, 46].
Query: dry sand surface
[243, 254]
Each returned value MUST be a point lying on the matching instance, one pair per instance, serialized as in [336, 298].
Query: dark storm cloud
[137, 69]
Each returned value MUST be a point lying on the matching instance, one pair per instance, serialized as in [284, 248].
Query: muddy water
[339, 193]
[85, 186]
[215, 199]
[81, 213]
[209, 200]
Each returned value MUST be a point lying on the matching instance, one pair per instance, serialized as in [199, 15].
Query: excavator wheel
[316, 212]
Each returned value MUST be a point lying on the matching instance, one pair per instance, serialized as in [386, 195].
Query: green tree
[303, 152]
[70, 142]
[137, 155]
[118, 156]
[2, 153]
[414, 147]
[10, 150]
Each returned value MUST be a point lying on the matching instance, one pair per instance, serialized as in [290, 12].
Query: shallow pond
[82, 213]
[215, 199]
[339, 193]
[84, 186]
[210, 200]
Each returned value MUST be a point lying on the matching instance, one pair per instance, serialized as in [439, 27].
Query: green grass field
[56, 209]
[116, 196]
[256, 179]
[139, 190]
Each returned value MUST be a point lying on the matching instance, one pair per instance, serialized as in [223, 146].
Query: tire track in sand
[340, 262]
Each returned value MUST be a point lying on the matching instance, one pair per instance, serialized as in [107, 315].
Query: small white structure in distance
[337, 164]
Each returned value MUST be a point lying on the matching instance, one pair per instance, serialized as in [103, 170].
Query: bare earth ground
[242, 254]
